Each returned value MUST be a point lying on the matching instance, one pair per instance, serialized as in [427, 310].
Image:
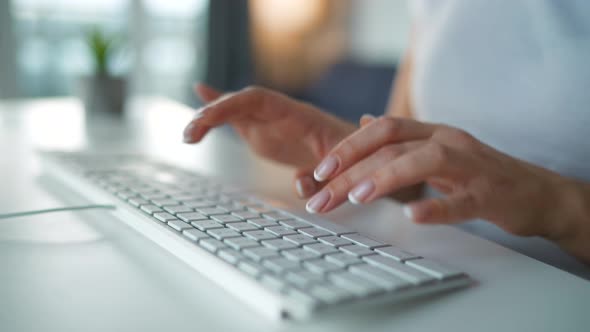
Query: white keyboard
[281, 264]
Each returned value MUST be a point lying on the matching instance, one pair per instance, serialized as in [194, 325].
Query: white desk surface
[68, 272]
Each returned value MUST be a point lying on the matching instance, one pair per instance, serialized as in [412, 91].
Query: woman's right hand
[274, 126]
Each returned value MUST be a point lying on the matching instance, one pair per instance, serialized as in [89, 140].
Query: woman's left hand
[388, 154]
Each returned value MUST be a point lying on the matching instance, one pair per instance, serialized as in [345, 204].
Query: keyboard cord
[60, 209]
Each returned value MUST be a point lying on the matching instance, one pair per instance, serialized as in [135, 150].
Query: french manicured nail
[408, 212]
[317, 202]
[367, 117]
[305, 186]
[325, 168]
[188, 137]
[361, 192]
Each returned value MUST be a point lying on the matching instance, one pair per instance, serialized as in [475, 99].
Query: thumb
[305, 184]
[207, 93]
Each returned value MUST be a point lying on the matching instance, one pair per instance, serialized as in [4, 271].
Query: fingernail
[317, 202]
[361, 192]
[408, 212]
[305, 186]
[325, 168]
[188, 133]
[368, 117]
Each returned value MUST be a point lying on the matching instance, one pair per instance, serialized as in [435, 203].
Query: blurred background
[339, 54]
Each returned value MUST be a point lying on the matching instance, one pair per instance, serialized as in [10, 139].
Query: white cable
[61, 209]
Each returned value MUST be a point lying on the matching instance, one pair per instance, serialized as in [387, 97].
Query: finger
[304, 183]
[368, 139]
[207, 93]
[366, 119]
[450, 209]
[194, 133]
[416, 166]
[337, 190]
[227, 107]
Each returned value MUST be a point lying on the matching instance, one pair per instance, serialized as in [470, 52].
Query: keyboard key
[259, 208]
[320, 248]
[300, 239]
[272, 282]
[200, 204]
[355, 284]
[300, 254]
[280, 230]
[261, 222]
[191, 216]
[231, 256]
[356, 250]
[396, 253]
[164, 202]
[294, 223]
[251, 268]
[138, 202]
[315, 232]
[379, 276]
[330, 293]
[400, 270]
[164, 217]
[225, 218]
[240, 243]
[333, 228]
[175, 209]
[260, 253]
[335, 241]
[279, 244]
[211, 211]
[300, 297]
[321, 266]
[179, 225]
[223, 233]
[150, 209]
[153, 195]
[281, 265]
[260, 235]
[435, 269]
[194, 234]
[242, 226]
[304, 279]
[364, 241]
[231, 207]
[343, 259]
[275, 216]
[206, 224]
[212, 245]
[246, 214]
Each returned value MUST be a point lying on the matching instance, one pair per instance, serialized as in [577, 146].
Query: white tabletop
[86, 272]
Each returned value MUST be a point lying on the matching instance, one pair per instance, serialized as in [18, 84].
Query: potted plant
[102, 91]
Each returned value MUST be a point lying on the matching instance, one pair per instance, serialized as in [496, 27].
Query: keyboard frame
[225, 275]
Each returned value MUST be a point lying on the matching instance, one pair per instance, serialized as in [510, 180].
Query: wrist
[570, 220]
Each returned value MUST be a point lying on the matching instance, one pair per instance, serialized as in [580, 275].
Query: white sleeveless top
[516, 75]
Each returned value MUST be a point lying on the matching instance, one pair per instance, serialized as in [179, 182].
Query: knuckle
[346, 150]
[388, 153]
[390, 125]
[456, 137]
[440, 153]
[254, 91]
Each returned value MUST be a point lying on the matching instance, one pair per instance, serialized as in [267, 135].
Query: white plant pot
[103, 93]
